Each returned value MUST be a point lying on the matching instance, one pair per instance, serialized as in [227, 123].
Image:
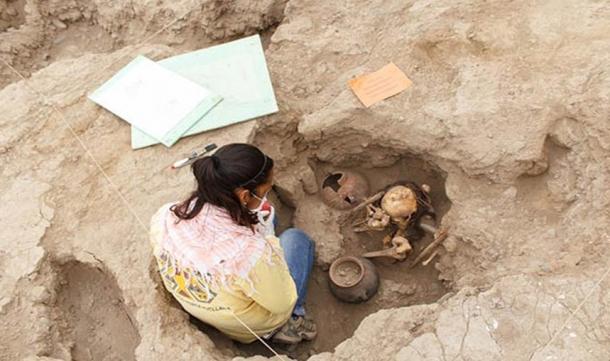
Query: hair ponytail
[231, 167]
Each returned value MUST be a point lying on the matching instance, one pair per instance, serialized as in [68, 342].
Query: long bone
[366, 202]
[398, 251]
[439, 238]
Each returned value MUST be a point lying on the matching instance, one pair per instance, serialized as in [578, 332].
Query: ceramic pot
[344, 189]
[353, 279]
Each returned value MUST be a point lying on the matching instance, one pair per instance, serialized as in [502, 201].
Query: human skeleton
[396, 209]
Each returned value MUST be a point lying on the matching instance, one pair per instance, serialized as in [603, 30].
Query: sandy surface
[507, 119]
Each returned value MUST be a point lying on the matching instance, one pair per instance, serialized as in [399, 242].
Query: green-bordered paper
[237, 71]
[156, 101]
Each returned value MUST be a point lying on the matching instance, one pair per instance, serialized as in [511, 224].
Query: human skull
[399, 202]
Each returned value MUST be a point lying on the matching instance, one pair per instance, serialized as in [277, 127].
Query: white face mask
[260, 205]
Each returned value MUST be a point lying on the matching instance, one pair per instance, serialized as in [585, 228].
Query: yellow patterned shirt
[264, 301]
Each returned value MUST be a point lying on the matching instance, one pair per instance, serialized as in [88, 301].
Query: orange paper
[382, 84]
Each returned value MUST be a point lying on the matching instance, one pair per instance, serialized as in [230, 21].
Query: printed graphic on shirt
[183, 281]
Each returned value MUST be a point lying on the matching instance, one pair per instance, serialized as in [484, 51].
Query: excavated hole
[536, 189]
[76, 32]
[400, 286]
[93, 321]
[55, 35]
[55, 31]
[79, 38]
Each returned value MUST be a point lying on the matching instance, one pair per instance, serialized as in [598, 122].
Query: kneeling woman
[218, 255]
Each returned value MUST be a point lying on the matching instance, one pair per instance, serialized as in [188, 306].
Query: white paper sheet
[155, 100]
[237, 71]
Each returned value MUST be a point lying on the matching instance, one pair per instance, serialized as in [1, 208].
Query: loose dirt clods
[506, 120]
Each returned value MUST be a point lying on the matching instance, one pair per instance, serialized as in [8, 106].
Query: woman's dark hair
[232, 166]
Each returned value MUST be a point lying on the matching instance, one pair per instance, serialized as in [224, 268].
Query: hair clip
[194, 156]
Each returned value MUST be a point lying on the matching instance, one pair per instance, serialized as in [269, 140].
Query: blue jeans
[299, 252]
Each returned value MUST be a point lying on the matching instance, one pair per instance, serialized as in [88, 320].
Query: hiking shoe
[308, 329]
[296, 330]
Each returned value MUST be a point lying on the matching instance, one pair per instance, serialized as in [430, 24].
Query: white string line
[578, 308]
[105, 175]
[255, 335]
[82, 144]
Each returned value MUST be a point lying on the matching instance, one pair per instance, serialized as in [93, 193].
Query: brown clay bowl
[353, 279]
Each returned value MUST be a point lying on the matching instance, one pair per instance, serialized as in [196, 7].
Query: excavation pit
[93, 321]
[399, 284]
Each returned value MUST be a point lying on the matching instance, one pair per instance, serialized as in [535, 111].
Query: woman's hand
[266, 220]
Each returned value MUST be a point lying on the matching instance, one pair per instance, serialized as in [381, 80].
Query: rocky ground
[508, 117]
